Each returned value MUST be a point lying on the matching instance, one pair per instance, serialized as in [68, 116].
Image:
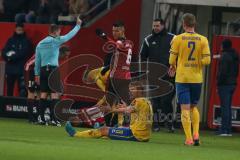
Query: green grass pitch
[22, 141]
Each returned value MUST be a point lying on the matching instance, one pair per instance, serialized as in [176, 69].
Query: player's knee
[55, 96]
[43, 95]
[104, 131]
[30, 95]
[185, 106]
[193, 105]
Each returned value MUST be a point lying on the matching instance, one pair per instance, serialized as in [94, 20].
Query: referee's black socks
[30, 104]
[43, 104]
[53, 110]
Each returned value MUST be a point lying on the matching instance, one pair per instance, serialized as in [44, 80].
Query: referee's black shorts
[45, 73]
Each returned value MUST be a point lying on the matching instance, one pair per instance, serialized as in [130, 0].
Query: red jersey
[121, 61]
[29, 65]
[29, 69]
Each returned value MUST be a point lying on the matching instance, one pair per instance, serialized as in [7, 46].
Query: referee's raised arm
[72, 33]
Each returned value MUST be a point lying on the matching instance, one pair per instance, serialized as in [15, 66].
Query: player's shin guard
[93, 133]
[186, 122]
[195, 121]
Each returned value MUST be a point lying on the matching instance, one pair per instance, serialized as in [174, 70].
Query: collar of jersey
[190, 32]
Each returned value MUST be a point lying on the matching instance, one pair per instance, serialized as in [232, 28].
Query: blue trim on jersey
[188, 93]
[121, 134]
[171, 34]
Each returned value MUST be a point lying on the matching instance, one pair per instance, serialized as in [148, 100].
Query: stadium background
[214, 18]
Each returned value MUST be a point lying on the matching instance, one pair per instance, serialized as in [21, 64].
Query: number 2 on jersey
[191, 45]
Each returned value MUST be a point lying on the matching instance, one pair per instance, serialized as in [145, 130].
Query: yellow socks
[186, 123]
[195, 121]
[120, 119]
[93, 133]
[100, 84]
[102, 101]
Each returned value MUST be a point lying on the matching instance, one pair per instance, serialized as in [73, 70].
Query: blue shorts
[121, 134]
[188, 93]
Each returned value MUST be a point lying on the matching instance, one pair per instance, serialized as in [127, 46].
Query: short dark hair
[118, 23]
[53, 28]
[226, 44]
[20, 25]
[162, 22]
[189, 20]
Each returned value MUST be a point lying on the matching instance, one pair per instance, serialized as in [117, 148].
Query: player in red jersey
[120, 75]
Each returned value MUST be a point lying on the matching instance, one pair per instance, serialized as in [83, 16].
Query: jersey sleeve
[37, 62]
[174, 51]
[206, 58]
[62, 39]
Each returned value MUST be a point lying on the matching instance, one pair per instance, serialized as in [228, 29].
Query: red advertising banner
[214, 113]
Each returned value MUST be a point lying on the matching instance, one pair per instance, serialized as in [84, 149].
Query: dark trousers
[120, 91]
[225, 94]
[11, 79]
[120, 88]
[163, 109]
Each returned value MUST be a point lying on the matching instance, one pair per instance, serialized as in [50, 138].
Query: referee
[47, 54]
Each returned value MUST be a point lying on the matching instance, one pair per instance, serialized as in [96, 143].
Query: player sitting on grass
[140, 125]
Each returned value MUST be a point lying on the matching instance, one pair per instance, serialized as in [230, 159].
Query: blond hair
[189, 20]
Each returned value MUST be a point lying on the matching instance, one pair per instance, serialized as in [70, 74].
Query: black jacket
[228, 68]
[22, 47]
[156, 47]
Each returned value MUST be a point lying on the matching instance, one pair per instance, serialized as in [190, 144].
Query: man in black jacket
[226, 81]
[155, 48]
[15, 53]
